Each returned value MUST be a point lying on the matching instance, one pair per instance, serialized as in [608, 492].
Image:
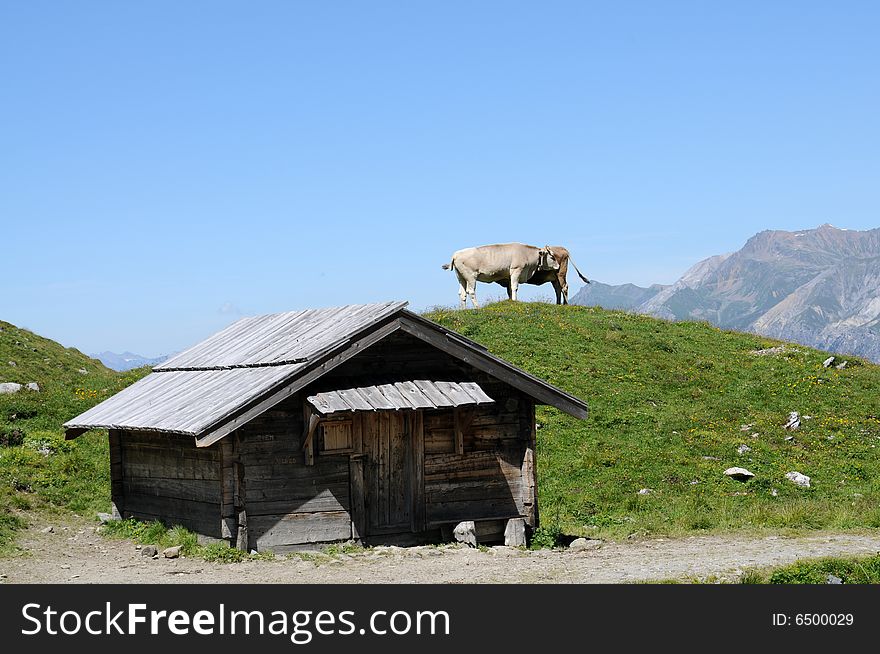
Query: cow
[515, 263]
[555, 277]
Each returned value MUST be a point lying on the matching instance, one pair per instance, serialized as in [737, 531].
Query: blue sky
[166, 167]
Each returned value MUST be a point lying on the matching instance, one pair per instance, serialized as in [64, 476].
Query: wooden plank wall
[166, 477]
[485, 481]
[399, 357]
[290, 504]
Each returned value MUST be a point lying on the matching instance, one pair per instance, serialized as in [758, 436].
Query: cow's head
[546, 259]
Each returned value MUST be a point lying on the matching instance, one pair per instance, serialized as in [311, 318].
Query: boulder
[48, 530]
[798, 479]
[833, 579]
[645, 491]
[83, 371]
[172, 552]
[794, 421]
[827, 362]
[742, 449]
[105, 518]
[8, 388]
[149, 550]
[33, 386]
[842, 365]
[582, 544]
[465, 532]
[515, 533]
[740, 474]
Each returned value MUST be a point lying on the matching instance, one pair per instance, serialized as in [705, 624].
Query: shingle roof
[229, 378]
[416, 394]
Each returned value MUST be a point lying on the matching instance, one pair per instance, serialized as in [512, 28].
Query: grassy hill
[671, 403]
[38, 468]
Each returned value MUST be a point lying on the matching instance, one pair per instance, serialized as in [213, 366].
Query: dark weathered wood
[444, 467]
[290, 529]
[334, 498]
[242, 540]
[439, 441]
[496, 486]
[458, 431]
[228, 522]
[358, 509]
[165, 468]
[484, 509]
[117, 489]
[294, 480]
[199, 490]
[171, 506]
[502, 370]
[312, 420]
[417, 460]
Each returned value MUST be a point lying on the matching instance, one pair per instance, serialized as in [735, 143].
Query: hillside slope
[671, 405]
[37, 466]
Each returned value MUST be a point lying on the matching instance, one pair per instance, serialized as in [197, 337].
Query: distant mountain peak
[819, 287]
[127, 360]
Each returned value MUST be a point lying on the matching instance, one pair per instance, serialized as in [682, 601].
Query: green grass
[160, 535]
[667, 403]
[38, 468]
[856, 570]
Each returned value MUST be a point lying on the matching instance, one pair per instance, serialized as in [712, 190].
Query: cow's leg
[514, 283]
[564, 293]
[558, 289]
[472, 291]
[462, 291]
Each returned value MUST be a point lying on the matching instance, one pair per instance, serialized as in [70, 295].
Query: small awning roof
[416, 394]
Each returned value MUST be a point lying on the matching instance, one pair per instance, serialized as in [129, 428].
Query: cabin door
[393, 480]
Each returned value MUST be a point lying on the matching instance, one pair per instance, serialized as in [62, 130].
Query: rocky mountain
[126, 360]
[819, 287]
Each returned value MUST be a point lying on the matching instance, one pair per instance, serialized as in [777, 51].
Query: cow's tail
[579, 272]
[448, 266]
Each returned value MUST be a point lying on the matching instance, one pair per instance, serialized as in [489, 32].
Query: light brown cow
[555, 277]
[509, 264]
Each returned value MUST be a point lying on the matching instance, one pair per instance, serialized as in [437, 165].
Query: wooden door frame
[360, 523]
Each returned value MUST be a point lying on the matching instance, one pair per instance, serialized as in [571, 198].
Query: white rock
[774, 492]
[172, 552]
[33, 386]
[465, 532]
[742, 449]
[740, 474]
[645, 491]
[581, 544]
[83, 371]
[9, 388]
[842, 365]
[827, 362]
[515, 533]
[794, 421]
[798, 479]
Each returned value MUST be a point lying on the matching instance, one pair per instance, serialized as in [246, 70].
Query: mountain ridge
[818, 287]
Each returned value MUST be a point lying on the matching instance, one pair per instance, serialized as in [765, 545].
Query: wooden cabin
[364, 422]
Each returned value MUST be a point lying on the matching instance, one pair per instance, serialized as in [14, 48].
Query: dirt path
[74, 553]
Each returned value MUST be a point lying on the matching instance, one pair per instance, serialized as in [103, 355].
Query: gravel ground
[74, 553]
